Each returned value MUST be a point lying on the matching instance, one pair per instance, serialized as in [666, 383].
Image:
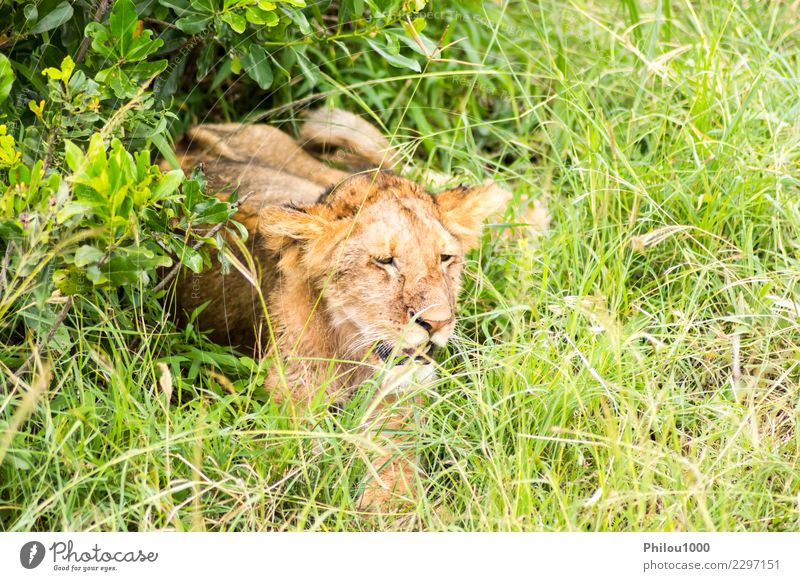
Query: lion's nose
[430, 324]
[434, 326]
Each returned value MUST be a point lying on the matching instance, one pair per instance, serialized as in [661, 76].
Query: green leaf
[33, 77]
[235, 21]
[62, 74]
[181, 7]
[70, 281]
[72, 209]
[86, 255]
[118, 81]
[309, 69]
[193, 23]
[96, 275]
[249, 363]
[147, 69]
[121, 270]
[31, 12]
[192, 259]
[165, 150]
[142, 46]
[101, 43]
[20, 459]
[261, 17]
[168, 184]
[74, 156]
[122, 24]
[410, 39]
[396, 60]
[223, 73]
[256, 63]
[6, 77]
[300, 21]
[55, 18]
[212, 211]
[119, 42]
[211, 6]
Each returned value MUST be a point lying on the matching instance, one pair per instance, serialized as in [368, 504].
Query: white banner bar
[389, 556]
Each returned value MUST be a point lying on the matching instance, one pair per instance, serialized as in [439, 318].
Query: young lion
[359, 273]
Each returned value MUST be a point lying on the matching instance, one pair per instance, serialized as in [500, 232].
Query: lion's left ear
[465, 209]
[280, 225]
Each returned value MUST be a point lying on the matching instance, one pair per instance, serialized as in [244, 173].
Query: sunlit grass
[635, 367]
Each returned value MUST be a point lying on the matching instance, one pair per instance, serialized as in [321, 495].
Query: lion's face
[386, 258]
[397, 278]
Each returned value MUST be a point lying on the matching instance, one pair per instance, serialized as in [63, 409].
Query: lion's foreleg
[393, 471]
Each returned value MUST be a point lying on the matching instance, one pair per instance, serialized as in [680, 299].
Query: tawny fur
[357, 141]
[359, 263]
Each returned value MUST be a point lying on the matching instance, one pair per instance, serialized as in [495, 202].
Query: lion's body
[355, 271]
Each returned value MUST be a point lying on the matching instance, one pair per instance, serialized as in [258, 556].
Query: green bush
[634, 367]
[91, 93]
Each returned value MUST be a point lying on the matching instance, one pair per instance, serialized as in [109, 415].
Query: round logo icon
[31, 554]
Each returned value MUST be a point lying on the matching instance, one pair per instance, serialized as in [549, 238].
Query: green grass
[634, 368]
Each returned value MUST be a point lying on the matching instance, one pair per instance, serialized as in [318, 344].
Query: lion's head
[385, 256]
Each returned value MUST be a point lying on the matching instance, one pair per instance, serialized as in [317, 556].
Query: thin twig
[163, 23]
[62, 315]
[119, 114]
[174, 270]
[98, 16]
[4, 268]
[49, 156]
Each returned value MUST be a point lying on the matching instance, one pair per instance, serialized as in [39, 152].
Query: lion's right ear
[280, 226]
[464, 209]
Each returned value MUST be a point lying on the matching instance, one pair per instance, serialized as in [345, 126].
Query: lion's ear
[464, 210]
[279, 226]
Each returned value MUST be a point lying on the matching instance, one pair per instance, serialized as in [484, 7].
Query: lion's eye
[384, 260]
[446, 258]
